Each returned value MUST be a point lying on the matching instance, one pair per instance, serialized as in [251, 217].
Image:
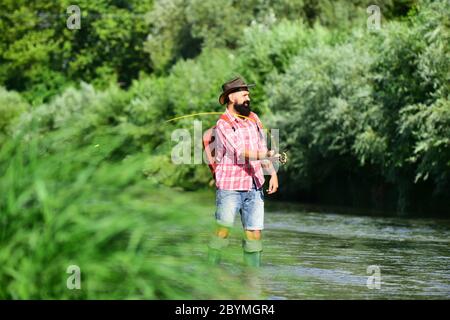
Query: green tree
[40, 56]
[374, 107]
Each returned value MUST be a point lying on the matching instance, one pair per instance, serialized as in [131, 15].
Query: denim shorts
[249, 203]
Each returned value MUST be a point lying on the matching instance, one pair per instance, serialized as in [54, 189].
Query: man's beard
[243, 109]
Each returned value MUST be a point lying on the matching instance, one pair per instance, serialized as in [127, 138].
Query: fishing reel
[283, 158]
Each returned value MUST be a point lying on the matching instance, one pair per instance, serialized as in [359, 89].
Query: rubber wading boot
[215, 247]
[252, 252]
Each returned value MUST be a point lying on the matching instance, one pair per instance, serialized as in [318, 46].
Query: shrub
[12, 105]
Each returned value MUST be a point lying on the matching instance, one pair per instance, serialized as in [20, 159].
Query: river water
[313, 255]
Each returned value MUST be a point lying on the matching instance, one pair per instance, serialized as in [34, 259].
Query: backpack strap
[259, 125]
[255, 118]
[208, 139]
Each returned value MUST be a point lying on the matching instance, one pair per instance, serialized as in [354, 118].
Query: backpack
[209, 140]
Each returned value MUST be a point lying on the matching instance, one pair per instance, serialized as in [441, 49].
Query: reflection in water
[326, 256]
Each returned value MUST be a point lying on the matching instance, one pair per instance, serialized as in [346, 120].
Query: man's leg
[222, 232]
[227, 203]
[218, 242]
[253, 223]
[253, 234]
[252, 248]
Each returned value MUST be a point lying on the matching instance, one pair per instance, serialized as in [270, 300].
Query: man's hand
[272, 155]
[273, 184]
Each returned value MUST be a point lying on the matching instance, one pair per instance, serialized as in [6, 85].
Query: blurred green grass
[68, 204]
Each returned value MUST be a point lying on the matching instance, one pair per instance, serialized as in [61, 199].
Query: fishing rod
[283, 159]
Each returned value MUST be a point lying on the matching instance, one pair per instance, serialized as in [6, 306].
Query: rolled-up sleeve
[229, 138]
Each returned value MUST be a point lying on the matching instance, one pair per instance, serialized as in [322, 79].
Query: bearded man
[241, 154]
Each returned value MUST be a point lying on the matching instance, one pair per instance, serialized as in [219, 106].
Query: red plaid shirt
[233, 172]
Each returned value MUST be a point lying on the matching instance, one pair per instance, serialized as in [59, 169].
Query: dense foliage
[40, 56]
[119, 40]
[375, 108]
